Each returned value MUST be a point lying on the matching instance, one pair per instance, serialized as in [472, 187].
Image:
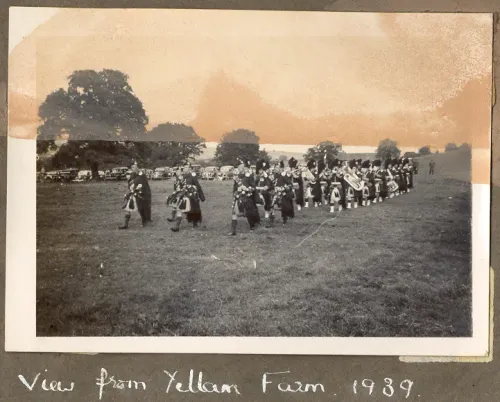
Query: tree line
[388, 149]
[98, 120]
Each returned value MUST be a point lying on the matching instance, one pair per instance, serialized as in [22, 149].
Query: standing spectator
[432, 165]
[141, 186]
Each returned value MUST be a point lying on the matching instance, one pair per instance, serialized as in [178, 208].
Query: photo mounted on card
[194, 181]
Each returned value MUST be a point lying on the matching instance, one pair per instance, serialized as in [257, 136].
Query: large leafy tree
[264, 156]
[87, 155]
[388, 149]
[44, 146]
[450, 147]
[425, 150]
[326, 150]
[238, 145]
[174, 144]
[99, 116]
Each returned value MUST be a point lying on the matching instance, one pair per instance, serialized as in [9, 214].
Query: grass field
[401, 268]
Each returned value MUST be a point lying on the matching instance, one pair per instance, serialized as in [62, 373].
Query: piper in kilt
[413, 171]
[336, 196]
[408, 173]
[143, 194]
[326, 180]
[174, 199]
[380, 182]
[314, 191]
[244, 196]
[138, 197]
[264, 187]
[339, 176]
[403, 185]
[369, 179]
[130, 201]
[298, 183]
[390, 178]
[187, 197]
[352, 195]
[395, 175]
[283, 196]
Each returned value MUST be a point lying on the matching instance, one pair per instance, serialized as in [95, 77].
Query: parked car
[160, 174]
[226, 169]
[226, 173]
[119, 173]
[83, 175]
[170, 172]
[68, 175]
[209, 173]
[53, 175]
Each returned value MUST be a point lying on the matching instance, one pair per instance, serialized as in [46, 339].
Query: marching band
[342, 185]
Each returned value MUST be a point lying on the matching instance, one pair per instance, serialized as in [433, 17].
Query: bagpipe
[181, 197]
[175, 198]
[279, 193]
[243, 190]
[130, 203]
[243, 200]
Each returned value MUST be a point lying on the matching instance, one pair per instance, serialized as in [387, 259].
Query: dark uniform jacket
[369, 177]
[263, 181]
[192, 180]
[281, 180]
[141, 179]
[243, 179]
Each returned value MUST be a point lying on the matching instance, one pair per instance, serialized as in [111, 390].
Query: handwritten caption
[195, 382]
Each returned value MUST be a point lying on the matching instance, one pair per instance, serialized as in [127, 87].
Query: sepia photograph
[251, 176]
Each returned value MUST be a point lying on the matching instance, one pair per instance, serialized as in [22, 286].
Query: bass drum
[392, 186]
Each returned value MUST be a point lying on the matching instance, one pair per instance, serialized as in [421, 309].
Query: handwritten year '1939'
[388, 388]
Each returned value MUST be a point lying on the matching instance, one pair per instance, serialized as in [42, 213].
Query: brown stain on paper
[220, 102]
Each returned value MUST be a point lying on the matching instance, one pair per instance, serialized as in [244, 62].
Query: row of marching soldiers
[353, 183]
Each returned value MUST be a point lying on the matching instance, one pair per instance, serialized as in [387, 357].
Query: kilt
[384, 190]
[403, 185]
[265, 198]
[244, 205]
[371, 191]
[410, 185]
[316, 192]
[284, 201]
[298, 189]
[192, 207]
